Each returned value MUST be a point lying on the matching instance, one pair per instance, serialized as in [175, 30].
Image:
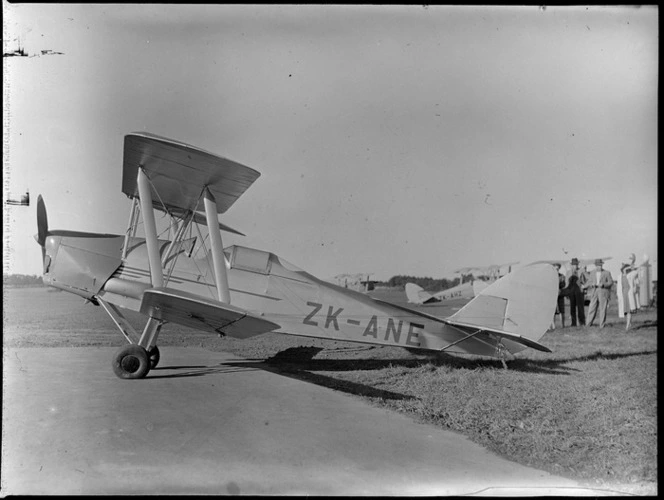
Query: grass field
[587, 411]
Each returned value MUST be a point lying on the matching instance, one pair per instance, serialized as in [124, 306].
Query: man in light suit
[599, 283]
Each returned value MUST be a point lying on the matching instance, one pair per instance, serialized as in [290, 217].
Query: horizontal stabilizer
[201, 313]
[501, 333]
[179, 172]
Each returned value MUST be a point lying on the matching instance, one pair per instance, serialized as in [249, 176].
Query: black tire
[131, 362]
[154, 355]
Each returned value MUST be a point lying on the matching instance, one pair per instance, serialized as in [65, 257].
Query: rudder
[416, 294]
[521, 303]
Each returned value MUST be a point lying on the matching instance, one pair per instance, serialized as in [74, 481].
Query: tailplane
[518, 307]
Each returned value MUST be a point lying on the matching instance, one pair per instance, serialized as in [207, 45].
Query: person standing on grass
[560, 307]
[599, 282]
[623, 294]
[575, 294]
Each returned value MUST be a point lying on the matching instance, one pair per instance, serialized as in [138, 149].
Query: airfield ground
[587, 411]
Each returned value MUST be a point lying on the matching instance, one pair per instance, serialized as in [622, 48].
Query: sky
[390, 139]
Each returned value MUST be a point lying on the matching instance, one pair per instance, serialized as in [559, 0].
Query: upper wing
[179, 172]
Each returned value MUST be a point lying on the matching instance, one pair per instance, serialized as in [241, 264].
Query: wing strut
[217, 249]
[145, 195]
[131, 228]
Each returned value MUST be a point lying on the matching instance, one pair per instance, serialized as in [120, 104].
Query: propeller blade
[42, 222]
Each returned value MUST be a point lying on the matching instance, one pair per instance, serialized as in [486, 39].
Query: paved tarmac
[210, 423]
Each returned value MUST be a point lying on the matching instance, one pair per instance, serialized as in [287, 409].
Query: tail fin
[416, 294]
[517, 307]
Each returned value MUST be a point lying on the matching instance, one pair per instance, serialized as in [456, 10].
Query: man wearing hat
[599, 283]
[574, 292]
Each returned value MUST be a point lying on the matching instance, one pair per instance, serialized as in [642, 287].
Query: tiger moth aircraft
[240, 291]
[481, 277]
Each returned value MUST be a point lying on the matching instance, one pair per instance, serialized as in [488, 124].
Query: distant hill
[21, 280]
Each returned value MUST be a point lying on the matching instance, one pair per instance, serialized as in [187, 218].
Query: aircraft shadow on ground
[294, 371]
[197, 370]
[296, 359]
[549, 365]
[300, 361]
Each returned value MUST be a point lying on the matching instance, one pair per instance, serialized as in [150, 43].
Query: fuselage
[259, 282]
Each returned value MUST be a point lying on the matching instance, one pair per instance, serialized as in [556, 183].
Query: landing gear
[131, 362]
[134, 360]
[153, 355]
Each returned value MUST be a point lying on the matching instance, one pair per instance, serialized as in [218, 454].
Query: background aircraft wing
[179, 172]
[552, 262]
[466, 270]
[197, 312]
[565, 262]
[491, 270]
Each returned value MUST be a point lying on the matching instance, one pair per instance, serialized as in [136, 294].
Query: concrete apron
[210, 423]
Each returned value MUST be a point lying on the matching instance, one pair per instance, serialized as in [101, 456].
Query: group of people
[598, 283]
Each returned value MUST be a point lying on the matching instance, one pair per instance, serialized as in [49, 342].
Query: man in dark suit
[599, 284]
[575, 294]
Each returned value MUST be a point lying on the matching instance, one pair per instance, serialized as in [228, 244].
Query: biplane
[241, 291]
[480, 278]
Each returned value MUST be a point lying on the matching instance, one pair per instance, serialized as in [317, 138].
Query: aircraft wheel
[131, 362]
[154, 356]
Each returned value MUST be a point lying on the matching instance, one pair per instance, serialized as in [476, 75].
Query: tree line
[21, 280]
